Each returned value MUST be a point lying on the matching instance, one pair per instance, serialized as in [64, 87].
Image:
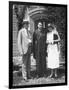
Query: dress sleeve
[56, 36]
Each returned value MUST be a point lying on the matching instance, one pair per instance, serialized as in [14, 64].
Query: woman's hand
[56, 40]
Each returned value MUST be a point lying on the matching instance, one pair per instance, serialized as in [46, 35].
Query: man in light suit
[24, 46]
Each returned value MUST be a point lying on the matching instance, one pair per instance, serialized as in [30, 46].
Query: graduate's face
[40, 25]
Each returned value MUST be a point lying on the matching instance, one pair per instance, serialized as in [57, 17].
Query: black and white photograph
[37, 44]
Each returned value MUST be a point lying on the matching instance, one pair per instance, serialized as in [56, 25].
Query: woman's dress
[53, 51]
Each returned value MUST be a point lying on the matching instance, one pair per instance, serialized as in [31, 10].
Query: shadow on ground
[18, 81]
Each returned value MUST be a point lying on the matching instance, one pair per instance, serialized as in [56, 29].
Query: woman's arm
[57, 40]
[58, 37]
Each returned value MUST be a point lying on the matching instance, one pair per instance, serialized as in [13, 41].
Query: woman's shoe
[51, 76]
[55, 76]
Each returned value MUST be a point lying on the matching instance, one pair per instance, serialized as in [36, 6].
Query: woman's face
[50, 29]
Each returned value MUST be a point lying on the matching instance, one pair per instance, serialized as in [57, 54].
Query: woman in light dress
[53, 49]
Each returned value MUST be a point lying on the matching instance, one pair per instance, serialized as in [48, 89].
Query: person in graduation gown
[39, 50]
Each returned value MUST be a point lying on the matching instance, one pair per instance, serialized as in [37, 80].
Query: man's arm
[20, 42]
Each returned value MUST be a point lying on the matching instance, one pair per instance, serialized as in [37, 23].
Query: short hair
[39, 23]
[51, 25]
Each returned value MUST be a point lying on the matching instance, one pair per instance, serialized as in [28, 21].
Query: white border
[4, 45]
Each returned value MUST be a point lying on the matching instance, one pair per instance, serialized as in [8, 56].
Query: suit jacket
[23, 41]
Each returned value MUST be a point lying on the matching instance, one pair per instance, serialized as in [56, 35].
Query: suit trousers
[26, 64]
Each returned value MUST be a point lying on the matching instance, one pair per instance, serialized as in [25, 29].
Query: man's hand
[21, 53]
[30, 44]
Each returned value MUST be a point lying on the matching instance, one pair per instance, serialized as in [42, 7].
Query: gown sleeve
[34, 45]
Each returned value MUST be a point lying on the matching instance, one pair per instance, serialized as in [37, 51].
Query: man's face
[26, 26]
[40, 25]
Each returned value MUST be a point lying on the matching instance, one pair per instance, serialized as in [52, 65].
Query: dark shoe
[45, 75]
[26, 80]
[37, 77]
[28, 77]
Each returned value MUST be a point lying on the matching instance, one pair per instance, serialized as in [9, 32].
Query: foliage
[20, 13]
[55, 14]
